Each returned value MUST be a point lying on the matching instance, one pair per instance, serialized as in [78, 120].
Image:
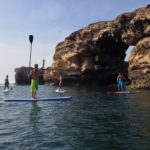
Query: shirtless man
[120, 81]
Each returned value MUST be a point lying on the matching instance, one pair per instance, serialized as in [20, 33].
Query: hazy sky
[50, 21]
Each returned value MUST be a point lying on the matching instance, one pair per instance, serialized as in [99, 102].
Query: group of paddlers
[34, 74]
[35, 81]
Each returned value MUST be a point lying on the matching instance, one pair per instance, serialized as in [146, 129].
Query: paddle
[31, 40]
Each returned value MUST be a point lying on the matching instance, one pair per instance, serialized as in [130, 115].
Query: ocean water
[93, 120]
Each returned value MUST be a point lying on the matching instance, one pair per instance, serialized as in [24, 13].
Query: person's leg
[36, 88]
[122, 86]
[34, 95]
[119, 86]
[7, 86]
[60, 86]
[33, 88]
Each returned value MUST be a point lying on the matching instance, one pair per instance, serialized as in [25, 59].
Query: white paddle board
[60, 91]
[7, 90]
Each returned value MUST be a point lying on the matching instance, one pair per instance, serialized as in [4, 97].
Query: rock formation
[97, 52]
[139, 67]
[22, 76]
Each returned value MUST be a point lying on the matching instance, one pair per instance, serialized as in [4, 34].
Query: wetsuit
[6, 84]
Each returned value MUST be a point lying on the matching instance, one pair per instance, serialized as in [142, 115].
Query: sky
[49, 21]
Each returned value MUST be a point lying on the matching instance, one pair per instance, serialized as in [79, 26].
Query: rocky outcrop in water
[139, 67]
[22, 76]
[97, 52]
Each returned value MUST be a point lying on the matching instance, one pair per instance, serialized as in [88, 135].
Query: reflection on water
[93, 120]
[34, 116]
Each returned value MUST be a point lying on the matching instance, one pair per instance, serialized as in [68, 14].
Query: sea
[93, 120]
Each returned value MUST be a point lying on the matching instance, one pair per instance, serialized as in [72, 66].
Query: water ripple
[93, 120]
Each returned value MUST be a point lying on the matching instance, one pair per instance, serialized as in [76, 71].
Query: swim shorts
[34, 85]
[120, 84]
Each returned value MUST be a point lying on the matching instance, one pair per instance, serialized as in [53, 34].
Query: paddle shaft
[31, 40]
[30, 55]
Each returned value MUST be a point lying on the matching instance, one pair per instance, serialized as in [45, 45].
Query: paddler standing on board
[60, 78]
[120, 80]
[6, 84]
[34, 80]
[34, 74]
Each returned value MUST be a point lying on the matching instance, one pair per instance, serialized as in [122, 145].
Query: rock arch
[97, 52]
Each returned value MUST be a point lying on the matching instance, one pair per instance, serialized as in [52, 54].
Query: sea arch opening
[128, 52]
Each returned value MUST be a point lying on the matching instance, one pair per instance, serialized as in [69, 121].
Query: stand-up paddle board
[60, 91]
[7, 90]
[65, 98]
[119, 92]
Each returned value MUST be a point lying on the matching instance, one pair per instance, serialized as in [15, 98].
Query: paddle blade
[31, 38]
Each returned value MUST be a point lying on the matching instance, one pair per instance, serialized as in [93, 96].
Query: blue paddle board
[65, 98]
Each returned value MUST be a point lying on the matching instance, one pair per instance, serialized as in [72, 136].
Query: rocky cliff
[139, 67]
[97, 52]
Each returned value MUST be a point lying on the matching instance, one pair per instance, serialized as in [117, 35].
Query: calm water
[93, 120]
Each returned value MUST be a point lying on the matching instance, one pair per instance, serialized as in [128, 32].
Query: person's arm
[117, 78]
[42, 65]
[41, 70]
[30, 74]
[31, 71]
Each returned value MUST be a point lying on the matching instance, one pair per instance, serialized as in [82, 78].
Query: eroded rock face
[21, 76]
[139, 67]
[94, 50]
[97, 52]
